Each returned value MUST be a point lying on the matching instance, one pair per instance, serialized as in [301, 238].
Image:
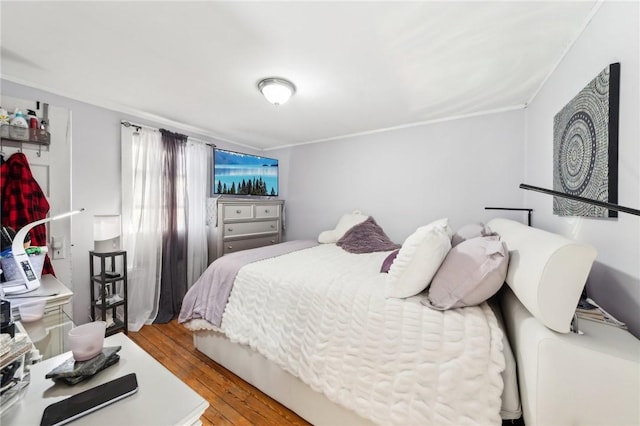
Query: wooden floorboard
[232, 401]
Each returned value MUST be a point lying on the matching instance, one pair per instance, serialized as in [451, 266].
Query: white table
[162, 399]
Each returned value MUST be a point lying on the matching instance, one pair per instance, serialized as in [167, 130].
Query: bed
[315, 328]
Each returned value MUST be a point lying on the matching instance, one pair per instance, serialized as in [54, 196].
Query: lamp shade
[106, 233]
[276, 90]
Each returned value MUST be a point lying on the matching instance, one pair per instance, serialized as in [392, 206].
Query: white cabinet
[49, 334]
[246, 224]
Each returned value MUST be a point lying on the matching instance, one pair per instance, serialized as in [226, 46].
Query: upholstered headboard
[564, 378]
[546, 271]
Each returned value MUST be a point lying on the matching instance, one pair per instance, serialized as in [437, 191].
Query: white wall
[406, 178]
[612, 36]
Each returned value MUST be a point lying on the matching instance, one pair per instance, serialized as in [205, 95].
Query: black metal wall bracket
[514, 209]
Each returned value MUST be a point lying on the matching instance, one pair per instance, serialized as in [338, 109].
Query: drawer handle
[266, 210]
[273, 226]
[230, 247]
[238, 211]
[273, 241]
[230, 229]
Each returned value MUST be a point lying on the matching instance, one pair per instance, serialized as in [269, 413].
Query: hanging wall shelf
[10, 133]
[17, 136]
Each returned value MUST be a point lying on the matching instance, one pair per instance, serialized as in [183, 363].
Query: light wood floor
[231, 400]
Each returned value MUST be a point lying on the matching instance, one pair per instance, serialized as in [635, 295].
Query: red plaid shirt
[23, 201]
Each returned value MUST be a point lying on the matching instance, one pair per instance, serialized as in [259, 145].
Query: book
[588, 309]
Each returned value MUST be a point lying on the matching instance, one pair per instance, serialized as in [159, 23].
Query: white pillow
[441, 223]
[345, 223]
[418, 260]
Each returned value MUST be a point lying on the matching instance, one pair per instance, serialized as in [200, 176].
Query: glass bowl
[86, 340]
[31, 311]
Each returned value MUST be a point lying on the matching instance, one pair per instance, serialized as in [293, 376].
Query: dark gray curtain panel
[173, 281]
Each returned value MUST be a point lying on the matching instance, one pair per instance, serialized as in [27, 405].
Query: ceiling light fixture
[276, 90]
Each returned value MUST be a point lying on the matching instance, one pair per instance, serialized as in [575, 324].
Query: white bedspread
[392, 361]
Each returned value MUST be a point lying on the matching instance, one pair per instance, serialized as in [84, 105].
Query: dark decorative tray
[72, 371]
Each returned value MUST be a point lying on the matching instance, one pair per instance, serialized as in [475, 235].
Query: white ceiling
[358, 66]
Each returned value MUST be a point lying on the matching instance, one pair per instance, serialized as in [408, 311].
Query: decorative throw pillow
[441, 223]
[472, 272]
[345, 223]
[388, 261]
[469, 231]
[366, 237]
[418, 260]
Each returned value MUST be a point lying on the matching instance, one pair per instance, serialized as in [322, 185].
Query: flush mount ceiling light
[276, 90]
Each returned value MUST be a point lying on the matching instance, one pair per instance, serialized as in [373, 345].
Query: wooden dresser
[246, 224]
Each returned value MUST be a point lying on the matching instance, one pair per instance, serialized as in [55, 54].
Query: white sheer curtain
[198, 156]
[142, 205]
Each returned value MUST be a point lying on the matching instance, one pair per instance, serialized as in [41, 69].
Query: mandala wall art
[585, 147]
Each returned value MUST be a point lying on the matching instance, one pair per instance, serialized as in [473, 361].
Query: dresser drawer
[237, 212]
[267, 210]
[237, 245]
[249, 228]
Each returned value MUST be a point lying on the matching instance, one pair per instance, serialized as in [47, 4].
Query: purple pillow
[469, 231]
[388, 261]
[366, 237]
[472, 272]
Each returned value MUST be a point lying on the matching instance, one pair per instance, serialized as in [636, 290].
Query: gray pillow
[472, 272]
[367, 237]
[469, 231]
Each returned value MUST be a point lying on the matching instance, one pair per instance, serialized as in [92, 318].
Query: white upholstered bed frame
[564, 378]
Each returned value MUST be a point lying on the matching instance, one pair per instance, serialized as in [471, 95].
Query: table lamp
[106, 233]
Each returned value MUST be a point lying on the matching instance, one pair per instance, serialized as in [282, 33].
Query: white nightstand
[49, 334]
[56, 294]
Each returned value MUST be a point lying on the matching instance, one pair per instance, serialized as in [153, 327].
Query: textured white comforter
[321, 314]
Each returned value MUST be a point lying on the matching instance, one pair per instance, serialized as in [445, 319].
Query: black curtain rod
[136, 126]
[140, 126]
[606, 205]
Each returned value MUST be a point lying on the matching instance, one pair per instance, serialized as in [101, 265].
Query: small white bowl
[86, 340]
[31, 311]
